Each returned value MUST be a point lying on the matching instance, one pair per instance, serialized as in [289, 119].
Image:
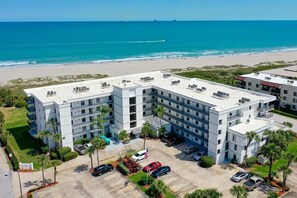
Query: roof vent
[221, 95]
[104, 85]
[166, 75]
[81, 89]
[267, 78]
[51, 93]
[146, 79]
[175, 82]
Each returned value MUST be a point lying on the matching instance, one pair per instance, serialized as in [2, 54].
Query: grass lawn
[263, 170]
[20, 141]
[135, 178]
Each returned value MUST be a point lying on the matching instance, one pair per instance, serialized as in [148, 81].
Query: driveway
[186, 176]
[80, 183]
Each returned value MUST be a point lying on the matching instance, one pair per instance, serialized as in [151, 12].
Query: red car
[152, 166]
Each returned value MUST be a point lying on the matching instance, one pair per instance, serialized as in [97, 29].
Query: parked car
[253, 183]
[106, 140]
[237, 177]
[140, 155]
[80, 149]
[175, 141]
[88, 145]
[167, 137]
[152, 166]
[161, 171]
[190, 149]
[199, 155]
[102, 169]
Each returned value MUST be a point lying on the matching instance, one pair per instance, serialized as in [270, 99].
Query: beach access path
[118, 68]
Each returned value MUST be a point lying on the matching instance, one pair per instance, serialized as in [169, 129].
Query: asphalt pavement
[6, 189]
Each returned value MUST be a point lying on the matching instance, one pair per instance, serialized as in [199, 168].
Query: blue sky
[105, 10]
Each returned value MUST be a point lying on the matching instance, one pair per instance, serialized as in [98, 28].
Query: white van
[140, 155]
[190, 149]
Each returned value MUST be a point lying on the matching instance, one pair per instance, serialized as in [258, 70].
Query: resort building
[211, 116]
[283, 88]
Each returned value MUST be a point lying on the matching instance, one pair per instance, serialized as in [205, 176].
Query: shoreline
[125, 67]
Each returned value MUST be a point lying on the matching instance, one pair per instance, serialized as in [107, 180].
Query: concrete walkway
[6, 189]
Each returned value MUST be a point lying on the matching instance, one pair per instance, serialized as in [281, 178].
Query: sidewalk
[6, 188]
[33, 179]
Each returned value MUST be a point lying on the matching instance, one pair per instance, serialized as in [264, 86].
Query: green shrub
[44, 149]
[13, 159]
[251, 161]
[70, 156]
[81, 141]
[123, 169]
[3, 140]
[206, 162]
[63, 151]
[53, 155]
[146, 180]
[20, 103]
[1, 116]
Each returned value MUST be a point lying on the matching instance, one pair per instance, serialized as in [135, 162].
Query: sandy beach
[118, 68]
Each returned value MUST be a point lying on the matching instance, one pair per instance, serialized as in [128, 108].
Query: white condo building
[283, 88]
[211, 116]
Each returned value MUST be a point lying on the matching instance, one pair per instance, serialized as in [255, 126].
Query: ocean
[23, 43]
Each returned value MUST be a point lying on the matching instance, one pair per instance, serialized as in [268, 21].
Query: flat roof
[252, 125]
[172, 83]
[290, 72]
[272, 78]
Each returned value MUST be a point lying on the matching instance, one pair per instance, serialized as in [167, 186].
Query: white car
[88, 145]
[140, 155]
[199, 155]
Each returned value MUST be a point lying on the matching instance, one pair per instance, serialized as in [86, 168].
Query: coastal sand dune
[118, 68]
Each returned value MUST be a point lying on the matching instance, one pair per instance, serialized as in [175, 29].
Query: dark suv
[102, 169]
[174, 141]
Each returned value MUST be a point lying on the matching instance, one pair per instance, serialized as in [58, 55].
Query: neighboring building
[211, 116]
[283, 88]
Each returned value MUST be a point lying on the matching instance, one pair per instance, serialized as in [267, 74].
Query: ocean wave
[211, 52]
[15, 63]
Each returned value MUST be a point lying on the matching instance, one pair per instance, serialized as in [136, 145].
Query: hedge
[53, 155]
[63, 151]
[14, 161]
[146, 180]
[81, 141]
[123, 169]
[70, 156]
[3, 140]
[284, 113]
[206, 162]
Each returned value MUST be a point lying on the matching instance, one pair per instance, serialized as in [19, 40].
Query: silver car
[240, 176]
[199, 155]
[80, 149]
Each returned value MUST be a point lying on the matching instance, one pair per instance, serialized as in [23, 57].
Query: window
[234, 138]
[133, 109]
[220, 132]
[144, 106]
[249, 84]
[161, 100]
[197, 114]
[169, 103]
[177, 98]
[250, 107]
[196, 139]
[257, 85]
[188, 102]
[188, 127]
[294, 100]
[132, 100]
[218, 152]
[188, 119]
[285, 91]
[82, 103]
[162, 93]
[153, 90]
[196, 122]
[110, 105]
[144, 99]
[177, 130]
[169, 111]
[97, 100]
[284, 98]
[133, 117]
[293, 106]
[220, 121]
[219, 141]
[187, 134]
[177, 106]
[197, 105]
[295, 93]
[188, 110]
[143, 91]
[144, 113]
[169, 95]
[177, 122]
[83, 111]
[230, 123]
[83, 119]
[196, 130]
[235, 147]
[132, 124]
[84, 128]
[169, 119]
[230, 114]
[109, 97]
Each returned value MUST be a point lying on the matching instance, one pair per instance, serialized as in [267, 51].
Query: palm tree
[286, 171]
[42, 160]
[123, 135]
[100, 121]
[272, 152]
[251, 135]
[205, 193]
[55, 163]
[145, 131]
[44, 134]
[98, 143]
[159, 110]
[90, 152]
[57, 138]
[239, 191]
[290, 157]
[53, 124]
[157, 188]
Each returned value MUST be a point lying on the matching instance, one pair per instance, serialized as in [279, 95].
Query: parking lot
[186, 175]
[80, 183]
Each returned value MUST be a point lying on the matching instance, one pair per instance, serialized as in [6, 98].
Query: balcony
[234, 117]
[33, 131]
[31, 116]
[32, 124]
[170, 99]
[30, 100]
[31, 108]
[263, 109]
